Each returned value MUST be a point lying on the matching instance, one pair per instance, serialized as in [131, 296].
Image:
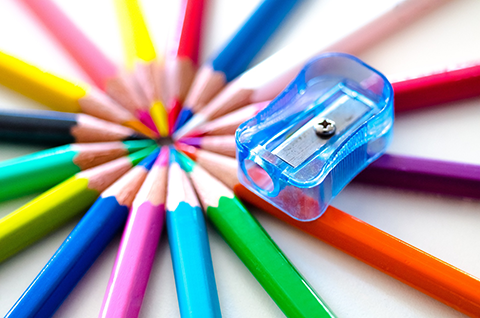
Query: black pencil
[57, 128]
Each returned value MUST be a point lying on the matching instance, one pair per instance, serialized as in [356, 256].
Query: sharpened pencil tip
[137, 136]
[148, 162]
[141, 128]
[186, 163]
[147, 120]
[174, 109]
[159, 115]
[190, 151]
[192, 124]
[191, 141]
[184, 115]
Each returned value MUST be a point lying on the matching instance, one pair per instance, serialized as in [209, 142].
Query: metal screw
[325, 128]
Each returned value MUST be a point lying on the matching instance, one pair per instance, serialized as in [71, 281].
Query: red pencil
[437, 88]
[182, 64]
[368, 244]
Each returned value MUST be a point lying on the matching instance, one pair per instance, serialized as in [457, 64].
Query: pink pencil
[136, 253]
[268, 78]
[224, 145]
[228, 124]
[101, 70]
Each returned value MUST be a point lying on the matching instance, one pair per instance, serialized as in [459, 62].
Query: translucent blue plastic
[289, 163]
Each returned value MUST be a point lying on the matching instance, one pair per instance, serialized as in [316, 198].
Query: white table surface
[448, 228]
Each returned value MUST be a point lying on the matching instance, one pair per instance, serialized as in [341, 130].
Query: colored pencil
[222, 167]
[42, 170]
[425, 175]
[224, 145]
[396, 258]
[182, 61]
[400, 260]
[442, 87]
[136, 253]
[267, 79]
[57, 128]
[82, 246]
[142, 60]
[228, 124]
[191, 257]
[234, 57]
[60, 94]
[56, 206]
[254, 247]
[101, 70]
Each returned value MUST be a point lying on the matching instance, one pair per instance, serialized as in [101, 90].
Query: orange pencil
[368, 244]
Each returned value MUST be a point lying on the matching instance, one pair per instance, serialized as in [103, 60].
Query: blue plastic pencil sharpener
[334, 119]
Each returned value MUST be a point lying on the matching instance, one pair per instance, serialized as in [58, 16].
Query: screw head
[325, 128]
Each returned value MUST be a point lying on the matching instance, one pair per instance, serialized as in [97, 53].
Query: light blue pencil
[191, 258]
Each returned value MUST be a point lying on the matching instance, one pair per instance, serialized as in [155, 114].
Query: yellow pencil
[142, 60]
[62, 95]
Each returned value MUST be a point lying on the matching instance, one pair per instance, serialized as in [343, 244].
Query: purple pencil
[443, 177]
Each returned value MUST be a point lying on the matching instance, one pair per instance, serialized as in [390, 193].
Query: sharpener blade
[345, 111]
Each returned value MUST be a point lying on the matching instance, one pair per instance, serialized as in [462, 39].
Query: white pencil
[267, 79]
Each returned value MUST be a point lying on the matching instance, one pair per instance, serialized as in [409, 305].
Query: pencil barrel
[44, 214]
[51, 128]
[130, 274]
[266, 261]
[72, 260]
[412, 266]
[192, 262]
[36, 172]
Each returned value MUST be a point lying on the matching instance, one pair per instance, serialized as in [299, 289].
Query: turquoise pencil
[187, 235]
[42, 170]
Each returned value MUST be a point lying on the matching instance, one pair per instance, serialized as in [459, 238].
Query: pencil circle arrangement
[150, 147]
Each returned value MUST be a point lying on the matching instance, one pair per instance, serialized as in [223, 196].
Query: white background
[448, 228]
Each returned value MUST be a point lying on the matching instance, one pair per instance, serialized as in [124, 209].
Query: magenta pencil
[129, 278]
